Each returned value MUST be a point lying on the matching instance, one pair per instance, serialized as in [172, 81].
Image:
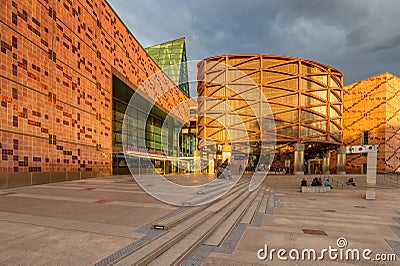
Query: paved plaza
[94, 221]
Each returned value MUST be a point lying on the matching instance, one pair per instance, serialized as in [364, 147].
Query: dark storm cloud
[359, 37]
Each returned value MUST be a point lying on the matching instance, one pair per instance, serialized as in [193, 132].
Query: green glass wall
[163, 134]
[171, 58]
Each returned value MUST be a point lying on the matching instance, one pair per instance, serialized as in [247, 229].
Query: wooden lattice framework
[305, 98]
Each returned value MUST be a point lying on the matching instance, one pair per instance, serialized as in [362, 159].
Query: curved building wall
[305, 98]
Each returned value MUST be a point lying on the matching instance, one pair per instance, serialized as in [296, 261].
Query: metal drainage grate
[395, 229]
[129, 249]
[329, 211]
[257, 220]
[198, 256]
[232, 240]
[395, 245]
[361, 207]
[314, 232]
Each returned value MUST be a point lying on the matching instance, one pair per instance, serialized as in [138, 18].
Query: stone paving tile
[146, 229]
[70, 224]
[51, 197]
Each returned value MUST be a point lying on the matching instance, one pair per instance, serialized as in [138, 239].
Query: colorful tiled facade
[372, 116]
[57, 61]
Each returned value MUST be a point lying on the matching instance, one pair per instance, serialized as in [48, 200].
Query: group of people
[316, 182]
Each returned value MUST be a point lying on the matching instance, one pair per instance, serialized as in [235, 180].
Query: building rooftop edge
[276, 56]
[374, 76]
[166, 42]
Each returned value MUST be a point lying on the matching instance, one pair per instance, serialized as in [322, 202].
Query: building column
[371, 175]
[196, 162]
[341, 161]
[326, 163]
[211, 165]
[298, 159]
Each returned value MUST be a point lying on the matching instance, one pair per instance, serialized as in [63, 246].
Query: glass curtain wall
[163, 136]
[171, 58]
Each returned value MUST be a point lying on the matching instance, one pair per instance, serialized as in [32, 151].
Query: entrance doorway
[315, 166]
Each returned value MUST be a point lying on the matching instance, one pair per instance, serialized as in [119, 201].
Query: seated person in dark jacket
[303, 183]
[351, 182]
[314, 182]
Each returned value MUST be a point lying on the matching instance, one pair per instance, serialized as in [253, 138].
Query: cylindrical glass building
[305, 98]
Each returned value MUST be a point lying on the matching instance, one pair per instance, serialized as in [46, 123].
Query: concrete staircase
[207, 224]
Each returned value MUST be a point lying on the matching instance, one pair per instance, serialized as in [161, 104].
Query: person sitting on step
[351, 182]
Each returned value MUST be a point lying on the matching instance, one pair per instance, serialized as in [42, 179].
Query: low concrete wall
[12, 180]
[315, 189]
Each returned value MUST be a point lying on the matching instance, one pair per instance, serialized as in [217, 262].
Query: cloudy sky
[361, 38]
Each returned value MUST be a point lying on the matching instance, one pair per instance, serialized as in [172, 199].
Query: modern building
[305, 98]
[372, 116]
[67, 70]
[171, 57]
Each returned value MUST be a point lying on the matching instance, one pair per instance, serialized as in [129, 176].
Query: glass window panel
[307, 84]
[290, 115]
[334, 113]
[306, 132]
[270, 77]
[307, 116]
[288, 68]
[322, 79]
[268, 62]
[289, 131]
[289, 100]
[320, 125]
[319, 109]
[288, 84]
[307, 100]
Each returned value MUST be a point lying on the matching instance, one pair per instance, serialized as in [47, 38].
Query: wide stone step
[170, 222]
[182, 229]
[208, 195]
[178, 252]
[262, 208]
[226, 226]
[251, 211]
